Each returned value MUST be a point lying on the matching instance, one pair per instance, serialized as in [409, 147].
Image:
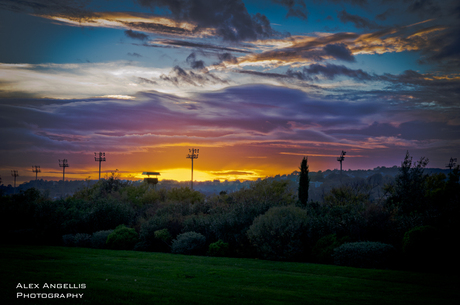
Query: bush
[280, 233]
[421, 247]
[189, 243]
[219, 248]
[77, 240]
[68, 240]
[160, 222]
[99, 239]
[122, 238]
[324, 248]
[163, 235]
[82, 240]
[365, 255]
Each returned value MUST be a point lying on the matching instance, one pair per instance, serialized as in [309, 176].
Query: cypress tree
[304, 181]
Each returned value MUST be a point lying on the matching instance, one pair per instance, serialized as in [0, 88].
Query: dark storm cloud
[188, 44]
[330, 71]
[307, 50]
[440, 86]
[263, 74]
[179, 76]
[359, 22]
[73, 9]
[339, 51]
[383, 16]
[296, 8]
[158, 28]
[194, 63]
[423, 6]
[136, 35]
[230, 18]
[227, 57]
[444, 49]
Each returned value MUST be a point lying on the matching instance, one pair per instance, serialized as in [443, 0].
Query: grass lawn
[128, 277]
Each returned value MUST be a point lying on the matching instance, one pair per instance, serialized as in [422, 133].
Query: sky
[255, 85]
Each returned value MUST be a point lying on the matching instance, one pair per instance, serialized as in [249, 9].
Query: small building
[149, 180]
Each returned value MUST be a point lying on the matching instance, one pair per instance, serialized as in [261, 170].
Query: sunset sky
[256, 85]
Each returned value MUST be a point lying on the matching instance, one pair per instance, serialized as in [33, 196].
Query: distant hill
[330, 178]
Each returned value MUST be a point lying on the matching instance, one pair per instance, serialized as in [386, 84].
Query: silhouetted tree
[407, 193]
[304, 182]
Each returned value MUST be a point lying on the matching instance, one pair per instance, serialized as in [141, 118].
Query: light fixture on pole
[36, 170]
[452, 163]
[340, 159]
[15, 174]
[63, 164]
[101, 158]
[193, 154]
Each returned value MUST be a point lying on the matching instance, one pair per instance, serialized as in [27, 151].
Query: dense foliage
[122, 238]
[191, 243]
[364, 254]
[415, 213]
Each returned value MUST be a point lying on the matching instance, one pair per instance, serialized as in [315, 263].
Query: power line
[101, 158]
[63, 164]
[193, 154]
[36, 170]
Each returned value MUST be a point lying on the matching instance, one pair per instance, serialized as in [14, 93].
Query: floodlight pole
[101, 158]
[15, 174]
[36, 170]
[193, 154]
[340, 159]
[452, 163]
[63, 164]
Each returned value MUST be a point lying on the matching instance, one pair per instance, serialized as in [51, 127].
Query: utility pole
[452, 163]
[63, 164]
[340, 159]
[36, 170]
[193, 154]
[101, 158]
[15, 174]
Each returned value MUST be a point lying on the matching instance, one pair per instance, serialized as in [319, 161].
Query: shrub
[76, 240]
[324, 248]
[99, 239]
[122, 238]
[162, 241]
[421, 246]
[68, 240]
[365, 255]
[163, 235]
[82, 240]
[219, 248]
[189, 243]
[159, 222]
[280, 233]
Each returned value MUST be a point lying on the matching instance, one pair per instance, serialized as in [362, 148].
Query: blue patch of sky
[30, 39]
[393, 63]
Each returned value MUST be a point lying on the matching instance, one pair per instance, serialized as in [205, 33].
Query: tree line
[411, 224]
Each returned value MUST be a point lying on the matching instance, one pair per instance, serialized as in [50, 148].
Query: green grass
[127, 277]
